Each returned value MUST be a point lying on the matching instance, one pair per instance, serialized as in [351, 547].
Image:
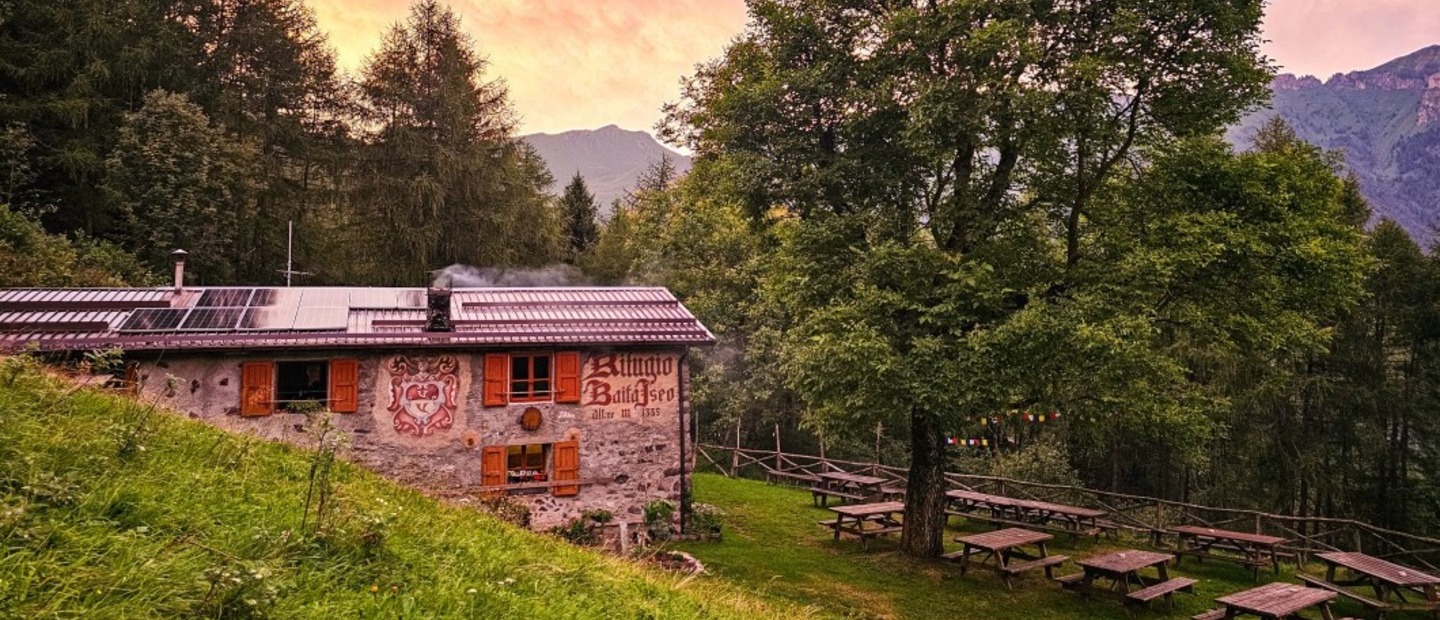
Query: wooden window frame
[330, 401]
[530, 396]
[564, 378]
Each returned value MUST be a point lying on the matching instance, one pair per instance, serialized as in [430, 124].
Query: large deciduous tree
[943, 159]
[181, 182]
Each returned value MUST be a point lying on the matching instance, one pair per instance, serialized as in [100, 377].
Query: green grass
[107, 512]
[773, 547]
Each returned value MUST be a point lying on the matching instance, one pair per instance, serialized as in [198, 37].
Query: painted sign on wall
[629, 385]
[422, 393]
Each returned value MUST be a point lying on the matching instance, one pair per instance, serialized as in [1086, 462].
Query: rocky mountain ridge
[1386, 121]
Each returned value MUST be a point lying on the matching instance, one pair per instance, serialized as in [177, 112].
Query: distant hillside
[1386, 120]
[110, 511]
[610, 159]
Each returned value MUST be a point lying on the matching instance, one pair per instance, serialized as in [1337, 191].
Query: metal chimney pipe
[179, 256]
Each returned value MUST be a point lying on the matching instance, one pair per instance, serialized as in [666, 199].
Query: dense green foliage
[111, 509]
[157, 123]
[29, 256]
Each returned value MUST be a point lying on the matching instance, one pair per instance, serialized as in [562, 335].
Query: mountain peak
[610, 158]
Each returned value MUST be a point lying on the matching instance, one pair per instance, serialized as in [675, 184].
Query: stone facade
[420, 420]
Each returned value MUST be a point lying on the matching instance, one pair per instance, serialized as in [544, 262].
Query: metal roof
[340, 317]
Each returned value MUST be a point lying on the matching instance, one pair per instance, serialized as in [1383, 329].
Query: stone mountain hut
[568, 399]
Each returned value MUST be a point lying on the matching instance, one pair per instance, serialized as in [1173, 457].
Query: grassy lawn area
[774, 548]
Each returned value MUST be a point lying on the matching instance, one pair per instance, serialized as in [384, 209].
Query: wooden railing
[1134, 515]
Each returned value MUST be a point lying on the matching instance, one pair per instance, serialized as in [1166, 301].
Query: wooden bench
[892, 492]
[821, 496]
[1071, 580]
[1214, 614]
[1002, 522]
[1166, 589]
[1048, 563]
[772, 474]
[1316, 582]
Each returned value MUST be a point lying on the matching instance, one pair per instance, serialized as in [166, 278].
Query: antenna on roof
[289, 269]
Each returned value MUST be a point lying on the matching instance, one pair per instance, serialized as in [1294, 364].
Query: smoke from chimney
[467, 276]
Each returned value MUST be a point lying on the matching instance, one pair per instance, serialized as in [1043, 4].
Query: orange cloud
[575, 64]
[569, 63]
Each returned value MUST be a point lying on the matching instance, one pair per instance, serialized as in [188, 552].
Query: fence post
[1159, 523]
[777, 447]
[875, 467]
[1257, 524]
[735, 455]
[824, 467]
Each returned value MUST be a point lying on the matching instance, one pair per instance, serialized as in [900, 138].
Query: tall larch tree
[442, 177]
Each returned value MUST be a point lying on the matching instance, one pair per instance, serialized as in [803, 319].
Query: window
[267, 387]
[531, 377]
[302, 385]
[528, 464]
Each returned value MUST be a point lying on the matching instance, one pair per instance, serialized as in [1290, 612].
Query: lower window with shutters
[526, 463]
[525, 469]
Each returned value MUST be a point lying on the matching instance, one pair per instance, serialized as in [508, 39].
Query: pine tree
[578, 206]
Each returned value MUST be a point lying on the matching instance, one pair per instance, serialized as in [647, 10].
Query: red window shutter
[257, 388]
[492, 466]
[567, 377]
[497, 379]
[567, 467]
[344, 386]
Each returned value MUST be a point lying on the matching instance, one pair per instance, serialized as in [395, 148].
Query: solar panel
[322, 318]
[225, 298]
[153, 320]
[267, 318]
[266, 297]
[212, 319]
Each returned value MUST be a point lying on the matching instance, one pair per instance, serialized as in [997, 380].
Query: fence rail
[1136, 514]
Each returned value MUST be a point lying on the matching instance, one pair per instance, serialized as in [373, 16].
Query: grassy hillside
[110, 511]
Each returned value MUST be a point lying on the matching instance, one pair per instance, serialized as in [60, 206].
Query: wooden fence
[1133, 514]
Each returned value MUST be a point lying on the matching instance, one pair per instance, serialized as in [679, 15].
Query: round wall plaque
[531, 419]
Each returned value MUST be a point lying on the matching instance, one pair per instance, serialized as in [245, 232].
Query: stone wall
[421, 421]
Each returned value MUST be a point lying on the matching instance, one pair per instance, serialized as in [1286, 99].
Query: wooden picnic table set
[1252, 550]
[1025, 513]
[1141, 577]
[846, 486]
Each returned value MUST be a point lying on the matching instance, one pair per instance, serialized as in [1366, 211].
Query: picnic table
[1272, 600]
[854, 487]
[1001, 547]
[1387, 580]
[1255, 550]
[1012, 511]
[852, 519]
[1123, 570]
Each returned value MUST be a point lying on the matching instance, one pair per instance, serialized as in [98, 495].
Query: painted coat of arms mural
[422, 393]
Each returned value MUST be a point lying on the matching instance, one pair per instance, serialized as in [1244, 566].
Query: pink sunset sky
[582, 64]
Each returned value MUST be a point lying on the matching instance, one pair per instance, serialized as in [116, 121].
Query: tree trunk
[924, 534]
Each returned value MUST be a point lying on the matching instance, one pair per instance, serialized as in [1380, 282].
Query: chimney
[437, 309]
[179, 256]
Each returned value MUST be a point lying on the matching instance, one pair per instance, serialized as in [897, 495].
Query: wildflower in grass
[471, 591]
[374, 589]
